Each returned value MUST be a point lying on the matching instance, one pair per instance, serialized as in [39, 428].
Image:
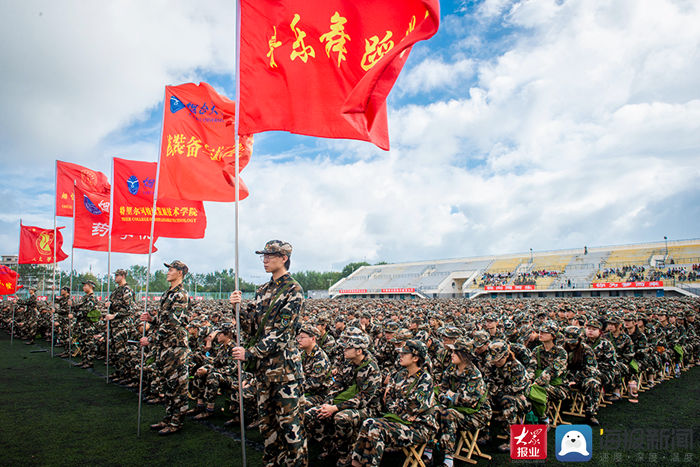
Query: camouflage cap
[89, 282]
[462, 345]
[355, 338]
[423, 335]
[490, 317]
[276, 247]
[481, 338]
[572, 334]
[509, 327]
[391, 326]
[613, 318]
[550, 327]
[402, 335]
[594, 323]
[630, 317]
[120, 272]
[309, 329]
[497, 350]
[33, 289]
[451, 332]
[179, 265]
[415, 347]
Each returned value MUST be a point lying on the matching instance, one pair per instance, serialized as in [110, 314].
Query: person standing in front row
[273, 356]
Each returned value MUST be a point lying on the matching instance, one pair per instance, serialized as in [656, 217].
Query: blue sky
[522, 124]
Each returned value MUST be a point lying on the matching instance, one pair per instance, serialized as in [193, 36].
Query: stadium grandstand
[668, 268]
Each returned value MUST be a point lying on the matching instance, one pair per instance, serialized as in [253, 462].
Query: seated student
[316, 366]
[463, 399]
[582, 371]
[604, 354]
[354, 397]
[624, 349]
[409, 418]
[551, 368]
[507, 385]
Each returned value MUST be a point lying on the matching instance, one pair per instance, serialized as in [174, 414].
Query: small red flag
[85, 179]
[198, 147]
[134, 184]
[91, 231]
[36, 245]
[8, 281]
[325, 68]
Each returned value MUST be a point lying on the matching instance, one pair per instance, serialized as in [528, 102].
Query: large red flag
[92, 226]
[133, 205]
[86, 179]
[8, 281]
[36, 245]
[324, 68]
[198, 147]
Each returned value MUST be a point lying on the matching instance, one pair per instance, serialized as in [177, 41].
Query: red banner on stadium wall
[627, 285]
[509, 287]
[399, 290]
[352, 291]
[134, 184]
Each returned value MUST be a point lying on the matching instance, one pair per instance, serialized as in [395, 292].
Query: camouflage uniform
[64, 324]
[508, 388]
[171, 352]
[85, 327]
[275, 361]
[339, 432]
[583, 374]
[607, 362]
[551, 370]
[222, 373]
[410, 417]
[468, 409]
[317, 376]
[31, 317]
[121, 301]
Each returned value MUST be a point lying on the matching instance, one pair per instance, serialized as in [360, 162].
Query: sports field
[51, 414]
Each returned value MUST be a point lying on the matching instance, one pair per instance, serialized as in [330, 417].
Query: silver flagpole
[53, 298]
[237, 188]
[70, 285]
[14, 302]
[109, 263]
[150, 252]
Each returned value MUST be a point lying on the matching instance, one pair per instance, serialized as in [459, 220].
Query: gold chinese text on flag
[198, 147]
[325, 68]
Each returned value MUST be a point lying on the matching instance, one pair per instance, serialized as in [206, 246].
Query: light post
[666, 240]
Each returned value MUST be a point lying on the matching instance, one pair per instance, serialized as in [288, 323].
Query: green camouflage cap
[550, 327]
[572, 334]
[491, 317]
[509, 327]
[462, 345]
[120, 272]
[594, 323]
[423, 336]
[179, 265]
[614, 318]
[89, 282]
[481, 338]
[309, 329]
[355, 338]
[630, 317]
[415, 347]
[497, 350]
[451, 332]
[402, 335]
[391, 326]
[276, 247]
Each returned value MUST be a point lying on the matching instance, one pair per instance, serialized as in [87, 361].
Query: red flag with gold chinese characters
[8, 281]
[36, 245]
[197, 159]
[134, 184]
[325, 67]
[91, 228]
[85, 179]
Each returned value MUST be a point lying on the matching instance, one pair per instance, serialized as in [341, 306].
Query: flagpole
[148, 274]
[14, 303]
[237, 188]
[53, 298]
[109, 263]
[70, 284]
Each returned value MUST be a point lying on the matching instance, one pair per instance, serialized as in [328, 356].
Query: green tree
[352, 267]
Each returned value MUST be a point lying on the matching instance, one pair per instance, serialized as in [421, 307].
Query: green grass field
[52, 414]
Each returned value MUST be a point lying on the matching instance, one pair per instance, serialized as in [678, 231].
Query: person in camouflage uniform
[86, 315]
[64, 324]
[384, 349]
[353, 397]
[317, 367]
[507, 386]
[326, 340]
[604, 355]
[624, 349]
[481, 340]
[120, 308]
[274, 357]
[551, 367]
[582, 372]
[30, 317]
[463, 399]
[170, 348]
[410, 417]
[443, 358]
